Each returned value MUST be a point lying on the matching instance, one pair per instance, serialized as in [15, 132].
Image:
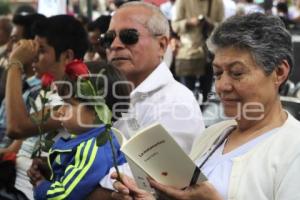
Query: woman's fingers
[168, 190]
[121, 196]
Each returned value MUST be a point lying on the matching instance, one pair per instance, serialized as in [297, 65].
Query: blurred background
[93, 14]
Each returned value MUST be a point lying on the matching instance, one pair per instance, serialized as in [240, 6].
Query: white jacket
[269, 171]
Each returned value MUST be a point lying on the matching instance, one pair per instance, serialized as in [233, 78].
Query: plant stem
[40, 142]
[41, 124]
[108, 130]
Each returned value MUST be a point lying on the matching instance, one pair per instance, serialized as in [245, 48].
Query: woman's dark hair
[101, 23]
[27, 22]
[115, 88]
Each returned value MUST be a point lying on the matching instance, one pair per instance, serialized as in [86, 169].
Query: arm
[287, 186]
[13, 147]
[217, 13]
[19, 124]
[179, 21]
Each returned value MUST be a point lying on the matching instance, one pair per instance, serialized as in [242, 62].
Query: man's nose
[116, 43]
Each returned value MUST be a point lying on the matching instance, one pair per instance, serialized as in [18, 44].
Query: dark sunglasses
[127, 37]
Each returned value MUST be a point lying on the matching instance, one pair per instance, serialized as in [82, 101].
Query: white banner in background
[52, 7]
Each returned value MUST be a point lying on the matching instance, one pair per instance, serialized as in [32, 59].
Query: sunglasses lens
[107, 39]
[129, 36]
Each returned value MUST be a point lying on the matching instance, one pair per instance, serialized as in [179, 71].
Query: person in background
[167, 9]
[29, 89]
[283, 13]
[256, 155]
[246, 7]
[95, 29]
[21, 29]
[229, 8]
[5, 31]
[59, 40]
[30, 84]
[193, 21]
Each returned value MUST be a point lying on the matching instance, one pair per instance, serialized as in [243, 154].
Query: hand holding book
[153, 152]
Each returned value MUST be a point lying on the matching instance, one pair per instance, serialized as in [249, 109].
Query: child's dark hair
[117, 95]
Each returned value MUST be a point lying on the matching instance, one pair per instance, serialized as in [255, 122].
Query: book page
[139, 174]
[157, 153]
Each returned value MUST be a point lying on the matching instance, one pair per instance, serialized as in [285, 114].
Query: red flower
[76, 68]
[47, 80]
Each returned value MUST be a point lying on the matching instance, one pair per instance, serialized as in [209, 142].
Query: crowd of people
[66, 86]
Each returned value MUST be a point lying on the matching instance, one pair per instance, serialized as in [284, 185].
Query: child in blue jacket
[77, 163]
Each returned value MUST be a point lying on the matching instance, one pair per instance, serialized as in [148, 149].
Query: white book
[153, 152]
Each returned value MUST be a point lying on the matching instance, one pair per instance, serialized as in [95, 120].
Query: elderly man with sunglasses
[136, 41]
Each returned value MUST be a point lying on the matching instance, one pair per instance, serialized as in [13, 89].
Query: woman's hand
[202, 191]
[128, 190]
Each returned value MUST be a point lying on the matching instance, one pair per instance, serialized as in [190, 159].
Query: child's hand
[34, 173]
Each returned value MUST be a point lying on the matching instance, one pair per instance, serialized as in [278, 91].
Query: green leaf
[34, 119]
[102, 138]
[103, 113]
[47, 116]
[41, 97]
[47, 145]
[86, 88]
[55, 108]
[44, 100]
[98, 84]
[32, 104]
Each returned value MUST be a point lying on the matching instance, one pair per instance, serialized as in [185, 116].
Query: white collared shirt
[160, 98]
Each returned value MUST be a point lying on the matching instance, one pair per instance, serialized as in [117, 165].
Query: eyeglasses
[127, 37]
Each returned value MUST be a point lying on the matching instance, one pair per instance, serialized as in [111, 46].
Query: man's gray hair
[264, 36]
[157, 24]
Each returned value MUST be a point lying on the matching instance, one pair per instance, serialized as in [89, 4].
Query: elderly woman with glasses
[256, 155]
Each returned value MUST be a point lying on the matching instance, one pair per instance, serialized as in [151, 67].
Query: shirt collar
[33, 81]
[157, 79]
[70, 142]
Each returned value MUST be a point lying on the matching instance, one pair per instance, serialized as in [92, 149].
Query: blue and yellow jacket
[77, 165]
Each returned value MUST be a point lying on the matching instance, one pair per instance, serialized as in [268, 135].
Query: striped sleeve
[75, 174]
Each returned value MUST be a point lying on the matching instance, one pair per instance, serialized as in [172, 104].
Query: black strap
[219, 142]
[195, 176]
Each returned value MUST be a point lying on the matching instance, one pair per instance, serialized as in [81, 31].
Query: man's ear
[282, 73]
[163, 44]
